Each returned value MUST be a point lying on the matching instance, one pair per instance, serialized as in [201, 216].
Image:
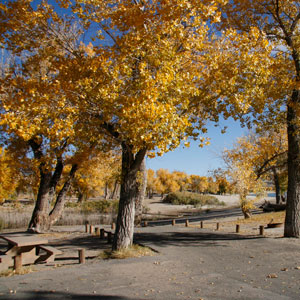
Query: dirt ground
[188, 263]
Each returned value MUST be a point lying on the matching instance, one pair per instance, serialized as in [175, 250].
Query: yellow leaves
[151, 154]
[8, 174]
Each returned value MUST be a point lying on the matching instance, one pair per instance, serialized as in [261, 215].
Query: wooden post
[109, 237]
[218, 226]
[201, 224]
[173, 222]
[81, 256]
[237, 228]
[102, 234]
[91, 229]
[187, 223]
[113, 226]
[97, 231]
[18, 262]
[261, 230]
[145, 223]
[87, 227]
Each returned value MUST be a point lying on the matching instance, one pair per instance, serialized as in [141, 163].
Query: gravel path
[189, 264]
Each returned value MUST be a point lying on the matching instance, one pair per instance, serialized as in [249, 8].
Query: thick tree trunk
[123, 237]
[277, 185]
[58, 208]
[292, 219]
[39, 219]
[141, 189]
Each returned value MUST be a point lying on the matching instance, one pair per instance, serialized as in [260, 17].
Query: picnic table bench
[25, 249]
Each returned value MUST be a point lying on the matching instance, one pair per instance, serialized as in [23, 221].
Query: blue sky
[196, 160]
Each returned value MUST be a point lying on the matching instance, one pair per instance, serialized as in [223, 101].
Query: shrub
[188, 198]
[95, 206]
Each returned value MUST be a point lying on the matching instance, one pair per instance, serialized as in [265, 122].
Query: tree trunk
[106, 191]
[141, 189]
[58, 208]
[39, 218]
[115, 190]
[277, 185]
[131, 162]
[292, 219]
[80, 197]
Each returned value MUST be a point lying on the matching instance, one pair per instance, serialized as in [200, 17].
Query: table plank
[24, 240]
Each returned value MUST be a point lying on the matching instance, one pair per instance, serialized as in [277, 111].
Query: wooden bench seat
[49, 253]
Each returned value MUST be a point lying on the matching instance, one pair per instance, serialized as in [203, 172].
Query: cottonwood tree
[8, 175]
[242, 177]
[262, 70]
[34, 106]
[141, 85]
[138, 79]
[95, 174]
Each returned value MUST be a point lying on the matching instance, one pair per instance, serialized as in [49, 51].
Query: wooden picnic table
[24, 249]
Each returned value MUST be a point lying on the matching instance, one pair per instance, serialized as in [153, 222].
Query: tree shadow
[51, 295]
[87, 242]
[192, 239]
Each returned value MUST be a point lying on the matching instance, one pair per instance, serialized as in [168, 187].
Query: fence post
[237, 228]
[218, 226]
[201, 224]
[261, 230]
[187, 223]
[109, 237]
[97, 231]
[102, 234]
[81, 256]
[91, 229]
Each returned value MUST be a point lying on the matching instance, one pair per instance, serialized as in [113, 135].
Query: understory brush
[188, 198]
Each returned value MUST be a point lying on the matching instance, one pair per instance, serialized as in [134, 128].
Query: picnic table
[25, 249]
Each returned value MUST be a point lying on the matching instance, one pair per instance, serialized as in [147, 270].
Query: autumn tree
[199, 184]
[150, 189]
[95, 174]
[166, 182]
[220, 177]
[182, 179]
[260, 48]
[242, 177]
[137, 78]
[34, 105]
[141, 85]
[8, 175]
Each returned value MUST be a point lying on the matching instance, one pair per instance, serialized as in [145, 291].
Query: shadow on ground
[52, 295]
[201, 239]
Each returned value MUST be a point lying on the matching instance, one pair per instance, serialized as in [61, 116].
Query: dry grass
[132, 251]
[12, 218]
[23, 271]
[264, 218]
[247, 226]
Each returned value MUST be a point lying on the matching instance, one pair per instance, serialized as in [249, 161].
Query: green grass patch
[188, 198]
[132, 251]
